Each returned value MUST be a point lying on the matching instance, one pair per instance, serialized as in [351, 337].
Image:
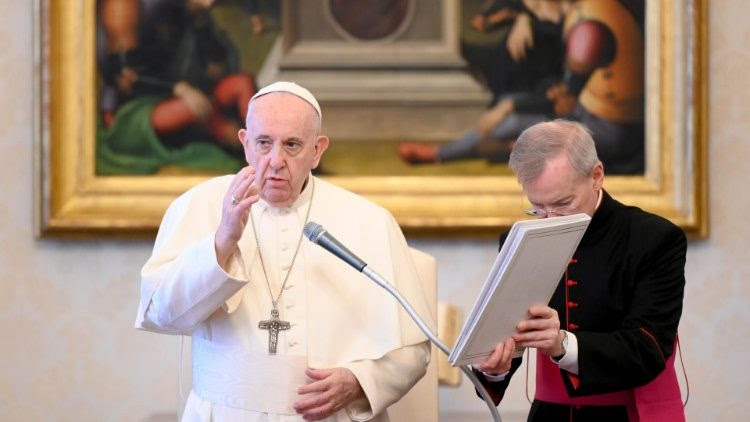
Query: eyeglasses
[542, 213]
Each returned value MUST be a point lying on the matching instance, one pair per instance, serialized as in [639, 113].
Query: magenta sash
[659, 400]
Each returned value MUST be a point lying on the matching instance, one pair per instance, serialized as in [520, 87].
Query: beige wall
[68, 351]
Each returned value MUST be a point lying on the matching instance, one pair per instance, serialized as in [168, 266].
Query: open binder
[526, 272]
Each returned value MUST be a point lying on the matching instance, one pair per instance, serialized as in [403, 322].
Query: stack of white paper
[526, 272]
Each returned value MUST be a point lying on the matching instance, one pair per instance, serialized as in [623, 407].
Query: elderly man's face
[561, 190]
[281, 130]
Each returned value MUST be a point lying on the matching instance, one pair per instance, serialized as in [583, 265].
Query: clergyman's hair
[544, 141]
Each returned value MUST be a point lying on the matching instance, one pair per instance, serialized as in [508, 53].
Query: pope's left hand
[330, 391]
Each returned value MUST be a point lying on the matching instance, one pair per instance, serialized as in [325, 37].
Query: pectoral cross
[273, 326]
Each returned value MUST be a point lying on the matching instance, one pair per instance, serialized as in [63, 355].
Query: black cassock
[622, 298]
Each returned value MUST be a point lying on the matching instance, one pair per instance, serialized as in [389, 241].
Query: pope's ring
[234, 200]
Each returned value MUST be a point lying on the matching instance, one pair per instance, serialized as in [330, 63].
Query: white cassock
[338, 317]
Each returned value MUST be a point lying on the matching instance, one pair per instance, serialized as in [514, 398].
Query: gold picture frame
[73, 201]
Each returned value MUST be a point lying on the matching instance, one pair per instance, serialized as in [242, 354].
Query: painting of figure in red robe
[544, 59]
[175, 78]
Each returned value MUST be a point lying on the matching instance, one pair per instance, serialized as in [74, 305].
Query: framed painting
[119, 136]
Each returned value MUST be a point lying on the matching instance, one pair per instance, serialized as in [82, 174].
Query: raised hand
[243, 192]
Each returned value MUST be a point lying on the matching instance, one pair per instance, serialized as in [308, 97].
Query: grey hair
[316, 118]
[544, 141]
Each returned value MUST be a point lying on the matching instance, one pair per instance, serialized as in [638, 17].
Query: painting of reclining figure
[544, 59]
[176, 75]
[174, 84]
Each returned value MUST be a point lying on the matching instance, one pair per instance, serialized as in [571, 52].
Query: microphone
[319, 236]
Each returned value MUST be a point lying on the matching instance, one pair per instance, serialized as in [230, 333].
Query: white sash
[250, 380]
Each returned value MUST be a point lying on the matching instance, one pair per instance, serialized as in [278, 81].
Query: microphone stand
[318, 235]
[377, 278]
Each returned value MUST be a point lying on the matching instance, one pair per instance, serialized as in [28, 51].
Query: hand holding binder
[526, 272]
